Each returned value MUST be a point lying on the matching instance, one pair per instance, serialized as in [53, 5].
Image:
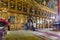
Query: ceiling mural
[49, 3]
[52, 4]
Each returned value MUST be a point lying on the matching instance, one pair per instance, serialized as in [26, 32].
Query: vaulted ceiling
[49, 3]
[53, 4]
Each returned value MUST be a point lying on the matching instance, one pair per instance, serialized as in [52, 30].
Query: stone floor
[52, 35]
[45, 33]
[26, 34]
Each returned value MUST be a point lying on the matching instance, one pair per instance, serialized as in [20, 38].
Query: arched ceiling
[53, 4]
[49, 3]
